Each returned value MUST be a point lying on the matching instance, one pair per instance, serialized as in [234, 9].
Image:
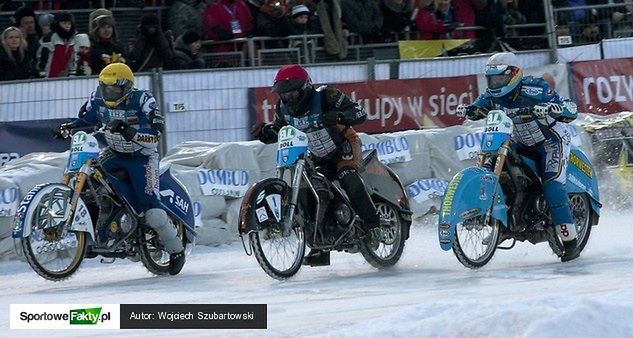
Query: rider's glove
[330, 118]
[462, 110]
[545, 109]
[268, 134]
[62, 131]
[119, 126]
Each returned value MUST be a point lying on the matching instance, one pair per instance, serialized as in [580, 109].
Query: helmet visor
[288, 85]
[112, 93]
[498, 81]
[291, 97]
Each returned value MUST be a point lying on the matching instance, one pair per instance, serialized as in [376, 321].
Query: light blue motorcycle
[502, 199]
[87, 215]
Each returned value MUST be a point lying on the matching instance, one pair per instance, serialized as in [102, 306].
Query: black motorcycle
[280, 218]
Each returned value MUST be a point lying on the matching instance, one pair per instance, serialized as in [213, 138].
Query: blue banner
[23, 137]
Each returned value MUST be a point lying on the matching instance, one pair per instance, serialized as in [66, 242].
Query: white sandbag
[191, 153]
[425, 195]
[7, 249]
[210, 206]
[407, 153]
[231, 214]
[188, 176]
[214, 232]
[452, 149]
[267, 159]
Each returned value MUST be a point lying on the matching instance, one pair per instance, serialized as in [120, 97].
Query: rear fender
[176, 201]
[22, 220]
[470, 193]
[581, 178]
[382, 181]
[262, 205]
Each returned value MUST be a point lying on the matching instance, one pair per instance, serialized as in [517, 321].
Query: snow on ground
[523, 292]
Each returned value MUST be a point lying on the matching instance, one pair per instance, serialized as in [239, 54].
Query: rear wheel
[53, 251]
[152, 252]
[384, 248]
[476, 241]
[581, 211]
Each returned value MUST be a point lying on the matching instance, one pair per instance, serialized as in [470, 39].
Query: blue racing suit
[546, 139]
[139, 156]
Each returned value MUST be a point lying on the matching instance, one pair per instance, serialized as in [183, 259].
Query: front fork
[294, 196]
[502, 155]
[82, 177]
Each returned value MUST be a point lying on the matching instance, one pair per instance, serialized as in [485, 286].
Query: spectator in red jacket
[435, 20]
[465, 13]
[227, 19]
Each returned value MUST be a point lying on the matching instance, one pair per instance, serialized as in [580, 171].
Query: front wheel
[53, 251]
[476, 241]
[152, 252]
[384, 248]
[279, 255]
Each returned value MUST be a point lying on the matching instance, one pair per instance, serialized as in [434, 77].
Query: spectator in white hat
[84, 59]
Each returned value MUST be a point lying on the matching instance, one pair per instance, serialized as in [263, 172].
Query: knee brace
[158, 220]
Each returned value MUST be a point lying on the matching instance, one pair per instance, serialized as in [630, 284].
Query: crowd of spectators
[43, 44]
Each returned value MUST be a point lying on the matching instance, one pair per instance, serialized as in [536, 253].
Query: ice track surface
[523, 292]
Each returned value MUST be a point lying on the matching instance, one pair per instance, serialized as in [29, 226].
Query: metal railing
[590, 24]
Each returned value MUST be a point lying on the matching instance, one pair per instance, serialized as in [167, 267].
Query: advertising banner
[23, 137]
[603, 87]
[391, 105]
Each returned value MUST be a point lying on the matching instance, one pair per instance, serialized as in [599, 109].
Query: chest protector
[322, 141]
[129, 111]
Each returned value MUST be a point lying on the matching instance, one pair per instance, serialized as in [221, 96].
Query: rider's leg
[553, 165]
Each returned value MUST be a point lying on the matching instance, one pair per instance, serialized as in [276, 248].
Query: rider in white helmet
[542, 137]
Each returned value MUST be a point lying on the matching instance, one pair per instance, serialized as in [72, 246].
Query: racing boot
[317, 258]
[168, 235]
[176, 262]
[567, 233]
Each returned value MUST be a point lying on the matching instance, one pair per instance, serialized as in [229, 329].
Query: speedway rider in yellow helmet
[133, 128]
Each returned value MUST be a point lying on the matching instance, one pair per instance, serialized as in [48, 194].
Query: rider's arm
[349, 112]
[479, 109]
[561, 109]
[151, 123]
[88, 114]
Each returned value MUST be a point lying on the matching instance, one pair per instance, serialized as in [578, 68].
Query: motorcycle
[87, 215]
[280, 219]
[502, 199]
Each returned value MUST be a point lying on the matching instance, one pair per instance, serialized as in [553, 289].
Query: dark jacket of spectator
[187, 51]
[396, 14]
[151, 48]
[183, 16]
[104, 46]
[15, 64]
[362, 17]
[25, 19]
[272, 19]
[227, 19]
[302, 21]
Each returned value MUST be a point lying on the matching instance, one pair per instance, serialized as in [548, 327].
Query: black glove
[330, 118]
[268, 134]
[256, 131]
[119, 126]
[62, 131]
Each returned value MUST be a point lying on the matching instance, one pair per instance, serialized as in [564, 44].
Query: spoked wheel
[475, 241]
[152, 252]
[279, 255]
[53, 251]
[384, 247]
[581, 211]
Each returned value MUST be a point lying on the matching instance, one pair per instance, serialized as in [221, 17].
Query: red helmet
[294, 86]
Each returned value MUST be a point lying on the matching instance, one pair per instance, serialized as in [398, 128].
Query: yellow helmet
[116, 82]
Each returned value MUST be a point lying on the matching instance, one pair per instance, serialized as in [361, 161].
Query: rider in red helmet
[327, 116]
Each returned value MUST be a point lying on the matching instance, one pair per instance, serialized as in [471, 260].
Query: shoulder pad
[535, 87]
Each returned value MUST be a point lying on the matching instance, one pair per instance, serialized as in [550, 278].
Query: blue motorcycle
[87, 215]
[502, 200]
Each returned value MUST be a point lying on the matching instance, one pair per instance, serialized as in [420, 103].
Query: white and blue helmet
[502, 74]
